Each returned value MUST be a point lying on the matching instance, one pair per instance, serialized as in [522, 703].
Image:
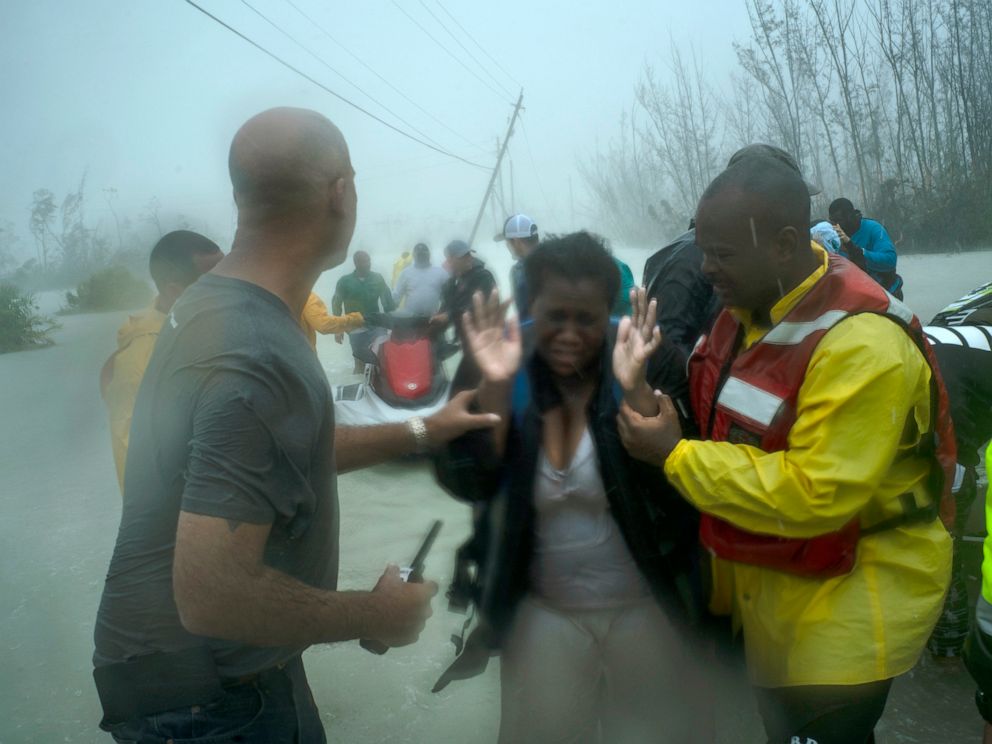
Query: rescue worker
[978, 647]
[826, 438]
[673, 276]
[177, 260]
[961, 337]
[315, 319]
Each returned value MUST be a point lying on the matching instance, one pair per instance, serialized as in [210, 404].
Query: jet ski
[404, 375]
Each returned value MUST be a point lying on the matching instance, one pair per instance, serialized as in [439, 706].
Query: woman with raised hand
[583, 557]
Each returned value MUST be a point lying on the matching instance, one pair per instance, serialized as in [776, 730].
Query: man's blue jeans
[274, 708]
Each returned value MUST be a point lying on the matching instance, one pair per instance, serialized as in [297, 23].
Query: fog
[143, 98]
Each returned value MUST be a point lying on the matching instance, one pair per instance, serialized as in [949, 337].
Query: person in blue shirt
[860, 236]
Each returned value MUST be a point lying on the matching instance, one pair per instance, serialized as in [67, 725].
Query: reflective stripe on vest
[749, 401]
[791, 333]
[900, 310]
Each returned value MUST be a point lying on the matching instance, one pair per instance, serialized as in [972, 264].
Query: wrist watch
[418, 429]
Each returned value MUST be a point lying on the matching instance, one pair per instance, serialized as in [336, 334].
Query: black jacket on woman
[660, 528]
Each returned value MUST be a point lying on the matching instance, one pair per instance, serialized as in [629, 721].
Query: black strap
[911, 514]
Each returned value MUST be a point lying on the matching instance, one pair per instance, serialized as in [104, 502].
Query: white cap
[518, 226]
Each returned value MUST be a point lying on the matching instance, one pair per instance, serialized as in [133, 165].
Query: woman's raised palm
[638, 337]
[494, 343]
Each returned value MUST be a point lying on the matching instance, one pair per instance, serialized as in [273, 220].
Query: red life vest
[750, 398]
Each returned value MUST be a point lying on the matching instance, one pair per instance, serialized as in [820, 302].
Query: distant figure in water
[176, 261]
[468, 276]
[418, 290]
[361, 291]
[521, 236]
[316, 319]
[584, 555]
[867, 244]
[401, 263]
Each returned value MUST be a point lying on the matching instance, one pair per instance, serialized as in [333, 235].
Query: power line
[368, 67]
[313, 54]
[323, 87]
[447, 51]
[465, 31]
[465, 48]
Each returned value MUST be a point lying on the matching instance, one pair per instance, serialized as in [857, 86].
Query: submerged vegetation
[22, 326]
[114, 288]
[886, 102]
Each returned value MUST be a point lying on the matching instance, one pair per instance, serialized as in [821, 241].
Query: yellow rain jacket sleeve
[316, 319]
[863, 402]
[135, 343]
[401, 263]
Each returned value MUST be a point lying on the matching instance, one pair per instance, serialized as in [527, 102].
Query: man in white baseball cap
[520, 234]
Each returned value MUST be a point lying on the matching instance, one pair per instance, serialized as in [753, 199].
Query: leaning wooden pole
[499, 160]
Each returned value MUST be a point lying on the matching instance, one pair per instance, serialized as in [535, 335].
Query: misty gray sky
[146, 95]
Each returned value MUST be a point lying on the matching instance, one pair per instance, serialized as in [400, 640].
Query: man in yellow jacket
[316, 319]
[176, 261]
[824, 641]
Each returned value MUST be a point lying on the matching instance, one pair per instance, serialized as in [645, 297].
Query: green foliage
[115, 288]
[21, 325]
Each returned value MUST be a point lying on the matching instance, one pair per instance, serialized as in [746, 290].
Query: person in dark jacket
[674, 279]
[584, 557]
[468, 276]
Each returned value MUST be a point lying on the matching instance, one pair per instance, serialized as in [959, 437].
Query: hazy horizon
[144, 98]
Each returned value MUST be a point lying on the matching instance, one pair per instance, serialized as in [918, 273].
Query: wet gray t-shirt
[233, 420]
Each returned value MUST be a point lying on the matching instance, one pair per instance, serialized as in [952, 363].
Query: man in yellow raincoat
[405, 259]
[176, 261]
[815, 491]
[316, 319]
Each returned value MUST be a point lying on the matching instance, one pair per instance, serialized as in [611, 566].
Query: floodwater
[61, 508]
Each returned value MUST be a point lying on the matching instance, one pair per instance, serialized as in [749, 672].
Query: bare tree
[683, 126]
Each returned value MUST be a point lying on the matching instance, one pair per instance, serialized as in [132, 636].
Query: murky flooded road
[60, 508]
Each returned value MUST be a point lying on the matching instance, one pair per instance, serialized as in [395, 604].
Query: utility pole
[499, 159]
[499, 190]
